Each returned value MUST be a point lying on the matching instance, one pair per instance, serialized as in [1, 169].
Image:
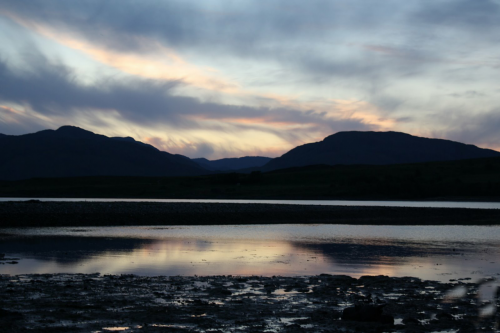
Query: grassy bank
[474, 180]
[44, 214]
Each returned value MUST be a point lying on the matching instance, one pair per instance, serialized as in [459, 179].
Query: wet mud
[130, 303]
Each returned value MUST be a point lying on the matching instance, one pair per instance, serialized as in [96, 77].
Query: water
[428, 252]
[431, 204]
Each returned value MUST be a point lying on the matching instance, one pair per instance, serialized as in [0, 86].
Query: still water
[428, 252]
[431, 204]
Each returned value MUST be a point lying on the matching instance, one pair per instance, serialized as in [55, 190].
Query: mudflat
[93, 302]
[40, 214]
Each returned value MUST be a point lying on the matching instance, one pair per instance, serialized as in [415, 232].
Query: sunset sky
[231, 78]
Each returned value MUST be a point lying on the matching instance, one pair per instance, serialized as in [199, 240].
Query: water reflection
[259, 250]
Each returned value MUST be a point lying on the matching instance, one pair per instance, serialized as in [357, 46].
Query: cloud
[199, 149]
[479, 129]
[306, 36]
[241, 25]
[16, 121]
[468, 94]
[191, 72]
[469, 16]
[51, 92]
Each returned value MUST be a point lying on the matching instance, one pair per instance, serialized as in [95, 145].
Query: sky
[230, 78]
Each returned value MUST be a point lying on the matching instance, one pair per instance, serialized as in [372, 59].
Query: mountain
[376, 148]
[72, 152]
[231, 164]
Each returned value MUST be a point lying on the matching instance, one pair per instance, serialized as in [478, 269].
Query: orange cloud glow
[19, 116]
[12, 111]
[309, 119]
[269, 120]
[162, 63]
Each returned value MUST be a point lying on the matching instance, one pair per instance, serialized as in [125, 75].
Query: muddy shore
[40, 214]
[92, 302]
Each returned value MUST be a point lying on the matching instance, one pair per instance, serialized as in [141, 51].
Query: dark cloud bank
[292, 33]
[52, 90]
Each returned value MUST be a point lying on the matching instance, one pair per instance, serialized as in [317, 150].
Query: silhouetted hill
[230, 164]
[376, 148]
[72, 152]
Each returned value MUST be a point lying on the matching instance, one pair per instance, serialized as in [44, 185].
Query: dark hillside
[376, 148]
[74, 152]
[226, 164]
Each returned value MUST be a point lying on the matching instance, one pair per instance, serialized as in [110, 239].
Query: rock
[342, 279]
[411, 321]
[444, 315]
[10, 314]
[9, 321]
[219, 292]
[369, 280]
[367, 313]
[294, 328]
[270, 288]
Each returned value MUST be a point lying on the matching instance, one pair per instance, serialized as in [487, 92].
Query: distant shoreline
[56, 214]
[263, 198]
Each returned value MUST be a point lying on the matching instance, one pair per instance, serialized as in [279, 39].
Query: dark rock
[411, 321]
[294, 328]
[342, 279]
[444, 315]
[368, 280]
[320, 315]
[10, 320]
[270, 288]
[367, 313]
[220, 292]
[10, 314]
[386, 319]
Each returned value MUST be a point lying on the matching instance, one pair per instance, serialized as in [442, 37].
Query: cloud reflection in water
[258, 250]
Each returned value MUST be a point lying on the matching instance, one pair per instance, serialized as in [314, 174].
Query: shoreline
[58, 214]
[229, 303]
[264, 198]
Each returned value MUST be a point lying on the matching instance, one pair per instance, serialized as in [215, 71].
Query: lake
[429, 252]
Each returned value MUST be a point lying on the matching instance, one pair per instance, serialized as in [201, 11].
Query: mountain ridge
[71, 151]
[376, 148]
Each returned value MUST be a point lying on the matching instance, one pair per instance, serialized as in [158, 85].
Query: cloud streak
[51, 91]
[249, 75]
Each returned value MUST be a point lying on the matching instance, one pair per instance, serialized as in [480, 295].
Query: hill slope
[230, 164]
[376, 148]
[71, 152]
